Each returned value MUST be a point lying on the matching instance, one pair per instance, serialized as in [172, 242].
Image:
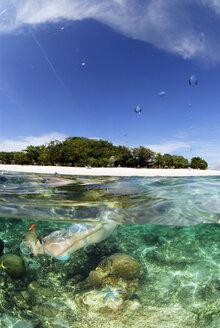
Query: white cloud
[21, 143]
[171, 25]
[94, 138]
[169, 146]
[214, 4]
[209, 151]
[215, 165]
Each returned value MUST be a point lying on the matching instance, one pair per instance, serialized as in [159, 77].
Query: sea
[159, 268]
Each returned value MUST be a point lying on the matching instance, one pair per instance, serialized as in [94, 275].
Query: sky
[80, 68]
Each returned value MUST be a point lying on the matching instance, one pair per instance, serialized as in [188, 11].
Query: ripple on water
[140, 200]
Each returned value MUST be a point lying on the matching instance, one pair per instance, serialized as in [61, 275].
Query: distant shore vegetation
[81, 152]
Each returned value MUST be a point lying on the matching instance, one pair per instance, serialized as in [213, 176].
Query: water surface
[132, 200]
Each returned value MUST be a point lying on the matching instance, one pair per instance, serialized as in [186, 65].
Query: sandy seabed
[102, 171]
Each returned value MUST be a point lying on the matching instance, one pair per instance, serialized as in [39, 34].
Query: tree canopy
[198, 163]
[80, 151]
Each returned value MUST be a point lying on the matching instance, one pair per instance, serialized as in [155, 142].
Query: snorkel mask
[26, 250]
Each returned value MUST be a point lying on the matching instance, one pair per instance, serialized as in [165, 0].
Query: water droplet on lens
[162, 93]
[202, 36]
[193, 81]
[138, 109]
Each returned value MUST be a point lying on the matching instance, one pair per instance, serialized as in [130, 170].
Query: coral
[119, 274]
[116, 266]
[179, 281]
[124, 265]
[95, 278]
[13, 265]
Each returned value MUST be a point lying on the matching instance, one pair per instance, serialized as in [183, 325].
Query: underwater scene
[109, 251]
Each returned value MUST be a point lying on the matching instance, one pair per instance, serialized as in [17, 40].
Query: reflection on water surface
[132, 200]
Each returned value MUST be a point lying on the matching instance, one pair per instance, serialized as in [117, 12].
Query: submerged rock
[92, 301]
[13, 265]
[46, 310]
[1, 246]
[9, 321]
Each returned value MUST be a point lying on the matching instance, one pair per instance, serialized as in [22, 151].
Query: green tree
[101, 151]
[158, 160]
[142, 156]
[74, 151]
[122, 156]
[180, 162]
[21, 158]
[51, 154]
[80, 151]
[198, 163]
[6, 157]
[167, 160]
[33, 153]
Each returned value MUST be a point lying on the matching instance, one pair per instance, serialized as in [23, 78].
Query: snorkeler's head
[30, 236]
[29, 240]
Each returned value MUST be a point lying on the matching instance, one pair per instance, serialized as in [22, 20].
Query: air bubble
[138, 110]
[62, 28]
[162, 93]
[83, 63]
[193, 81]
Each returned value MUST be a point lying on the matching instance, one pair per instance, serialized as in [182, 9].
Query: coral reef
[118, 276]
[13, 265]
[177, 284]
[118, 265]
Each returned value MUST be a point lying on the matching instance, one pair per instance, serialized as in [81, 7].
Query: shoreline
[107, 171]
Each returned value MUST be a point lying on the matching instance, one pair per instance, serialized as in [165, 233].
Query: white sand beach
[102, 171]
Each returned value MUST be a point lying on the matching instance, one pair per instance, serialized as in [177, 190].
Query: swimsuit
[61, 258]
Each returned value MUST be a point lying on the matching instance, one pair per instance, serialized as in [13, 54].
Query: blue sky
[79, 68]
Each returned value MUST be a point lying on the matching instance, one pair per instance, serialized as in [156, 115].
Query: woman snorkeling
[61, 243]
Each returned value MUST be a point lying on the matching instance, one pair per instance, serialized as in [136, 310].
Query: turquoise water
[166, 201]
[169, 225]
